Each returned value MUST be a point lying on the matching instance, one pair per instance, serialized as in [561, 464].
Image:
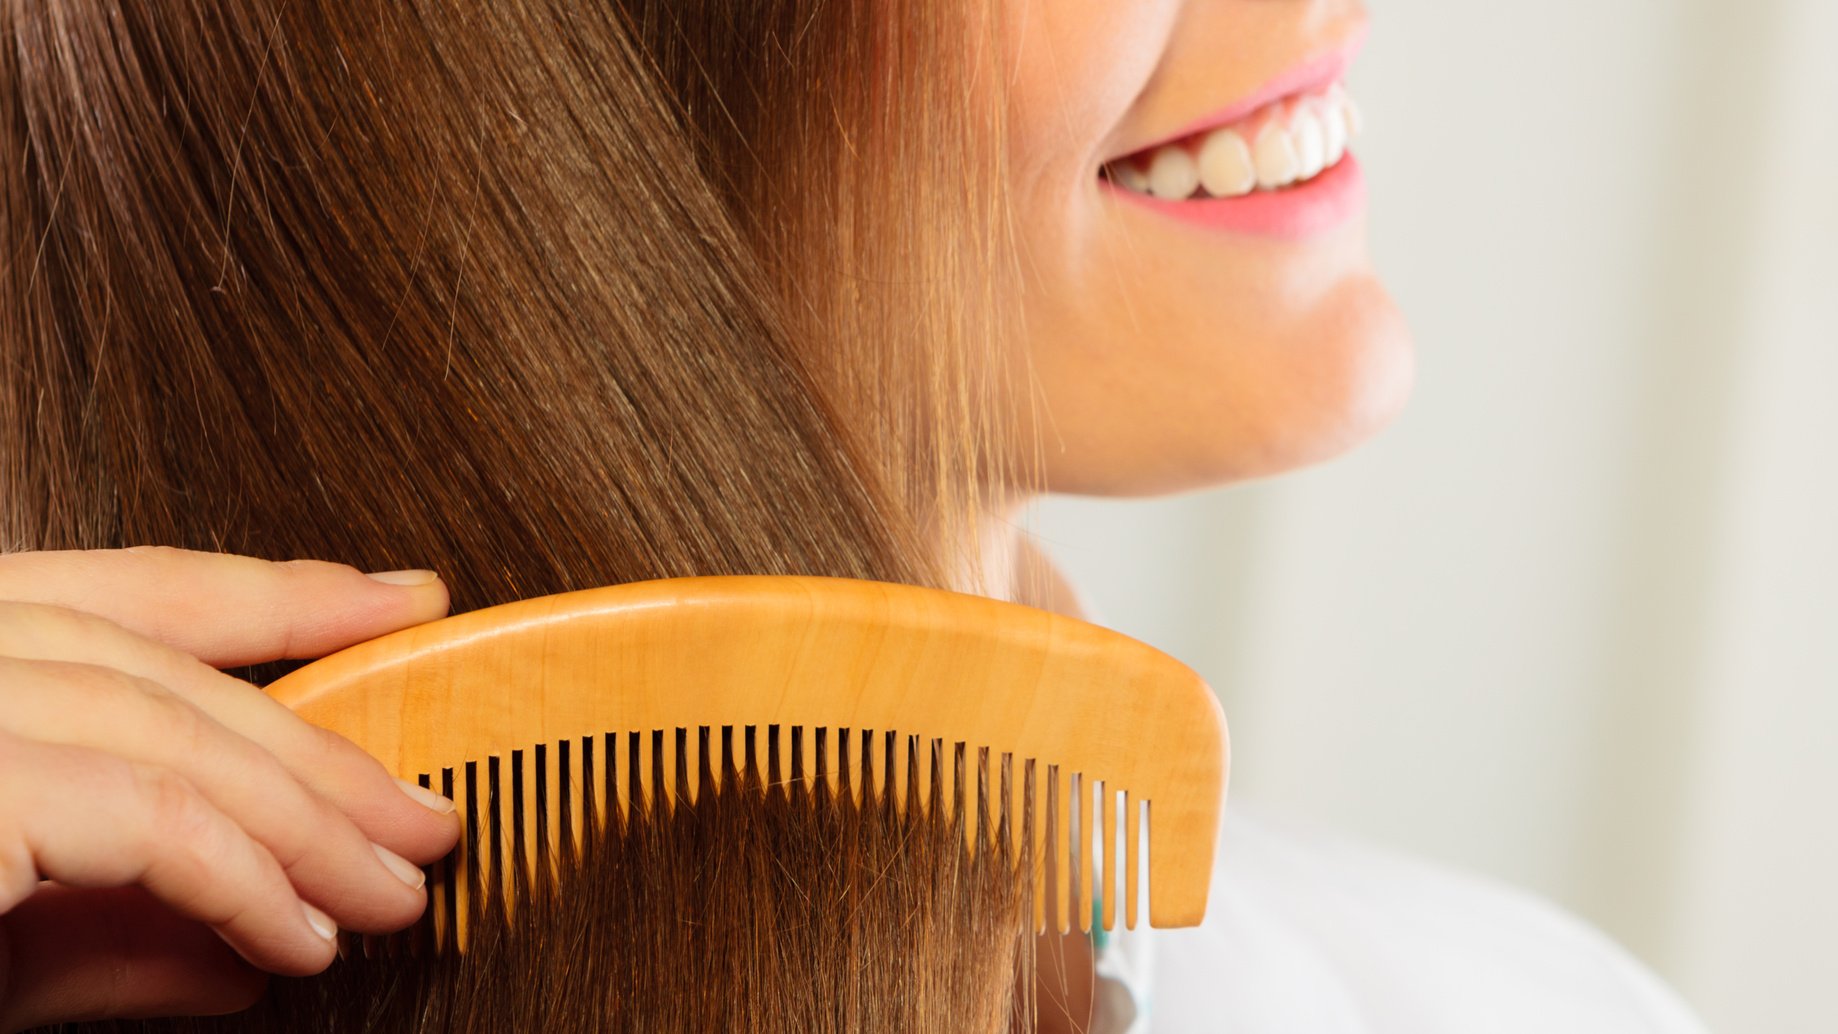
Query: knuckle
[166, 718]
[192, 735]
[183, 833]
[289, 583]
[348, 777]
[158, 554]
[97, 776]
[174, 808]
[323, 750]
[306, 820]
[309, 567]
[344, 760]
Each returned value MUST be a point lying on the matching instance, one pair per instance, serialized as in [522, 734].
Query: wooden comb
[1087, 714]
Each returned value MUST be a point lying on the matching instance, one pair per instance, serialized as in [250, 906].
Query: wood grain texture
[808, 653]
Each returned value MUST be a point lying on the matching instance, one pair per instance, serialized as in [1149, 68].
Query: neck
[1001, 551]
[1014, 567]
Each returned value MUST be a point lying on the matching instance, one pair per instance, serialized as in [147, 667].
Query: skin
[1166, 357]
[188, 821]
[1170, 357]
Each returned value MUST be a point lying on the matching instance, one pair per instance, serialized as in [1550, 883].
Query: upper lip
[1311, 74]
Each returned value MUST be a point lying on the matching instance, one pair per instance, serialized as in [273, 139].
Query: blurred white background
[1573, 620]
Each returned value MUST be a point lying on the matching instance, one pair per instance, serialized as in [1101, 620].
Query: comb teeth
[530, 817]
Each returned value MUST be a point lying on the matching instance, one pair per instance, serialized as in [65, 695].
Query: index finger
[224, 609]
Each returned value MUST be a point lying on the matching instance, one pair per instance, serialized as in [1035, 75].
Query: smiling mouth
[1287, 143]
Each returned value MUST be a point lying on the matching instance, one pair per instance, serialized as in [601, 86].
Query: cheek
[1166, 358]
[1074, 69]
[1164, 368]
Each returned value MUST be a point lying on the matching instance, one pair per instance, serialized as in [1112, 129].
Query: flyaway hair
[544, 295]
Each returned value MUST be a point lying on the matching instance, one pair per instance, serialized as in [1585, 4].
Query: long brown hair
[546, 296]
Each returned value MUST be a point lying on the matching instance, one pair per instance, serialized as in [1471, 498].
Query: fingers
[333, 767]
[88, 954]
[322, 853]
[188, 824]
[226, 610]
[87, 819]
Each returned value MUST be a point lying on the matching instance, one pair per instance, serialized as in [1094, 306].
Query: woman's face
[1195, 339]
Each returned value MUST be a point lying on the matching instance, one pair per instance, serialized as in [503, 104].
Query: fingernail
[405, 870]
[426, 797]
[415, 577]
[320, 922]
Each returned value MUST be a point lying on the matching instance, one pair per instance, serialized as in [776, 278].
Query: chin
[1346, 409]
[1343, 397]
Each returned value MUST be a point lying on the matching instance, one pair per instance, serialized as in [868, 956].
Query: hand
[193, 831]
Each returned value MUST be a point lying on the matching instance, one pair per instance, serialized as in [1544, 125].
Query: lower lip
[1291, 213]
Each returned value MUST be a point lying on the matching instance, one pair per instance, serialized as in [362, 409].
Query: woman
[375, 249]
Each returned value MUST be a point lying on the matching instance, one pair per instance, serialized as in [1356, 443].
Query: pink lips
[1311, 76]
[1292, 212]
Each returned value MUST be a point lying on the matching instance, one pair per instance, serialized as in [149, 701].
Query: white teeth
[1275, 152]
[1334, 133]
[1173, 175]
[1226, 168]
[1310, 142]
[1312, 137]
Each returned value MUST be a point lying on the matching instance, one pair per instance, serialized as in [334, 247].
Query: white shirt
[1307, 932]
